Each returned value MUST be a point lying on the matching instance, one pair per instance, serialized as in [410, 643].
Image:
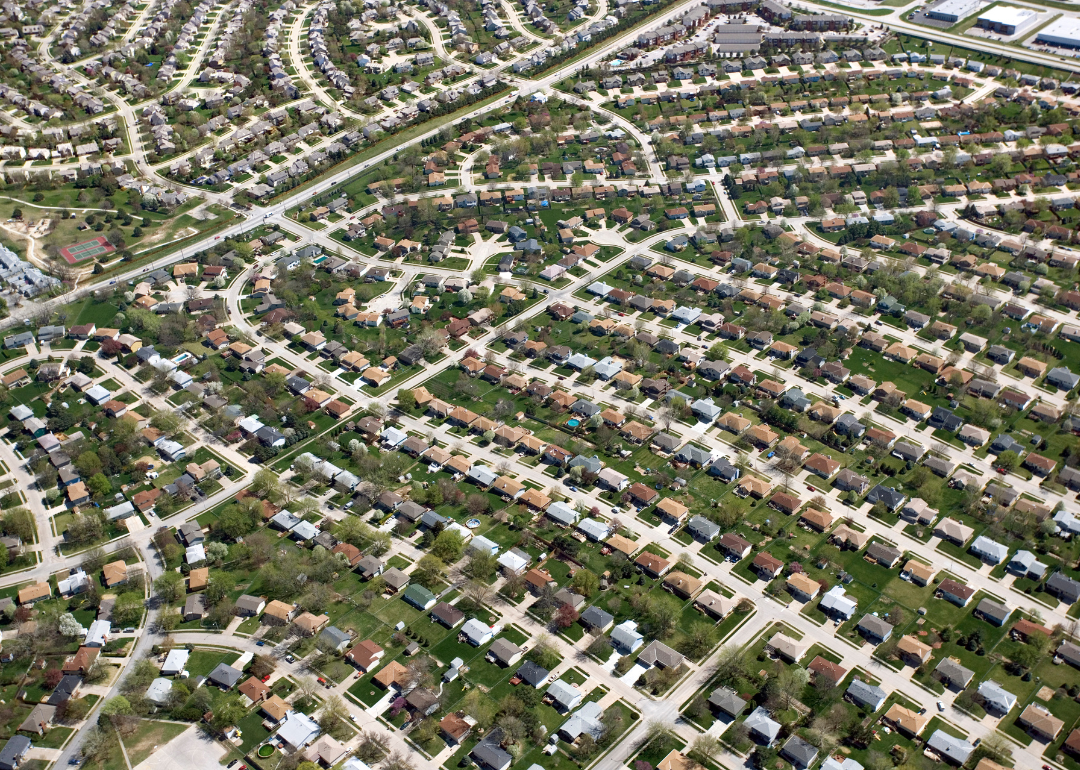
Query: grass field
[148, 736]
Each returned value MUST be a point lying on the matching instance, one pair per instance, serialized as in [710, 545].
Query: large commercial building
[1064, 32]
[953, 10]
[1007, 19]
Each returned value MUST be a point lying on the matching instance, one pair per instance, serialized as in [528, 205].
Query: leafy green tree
[128, 609]
[430, 571]
[585, 582]
[116, 706]
[448, 546]
[170, 587]
[99, 485]
[1007, 460]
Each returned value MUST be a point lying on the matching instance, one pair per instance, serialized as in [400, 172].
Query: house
[913, 651]
[249, 606]
[988, 550]
[952, 674]
[563, 696]
[862, 694]
[333, 638]
[626, 638]
[884, 555]
[727, 702]
[996, 699]
[762, 728]
[955, 592]
[504, 652]
[476, 633]
[14, 752]
[1040, 723]
[874, 629]
[954, 750]
[224, 676]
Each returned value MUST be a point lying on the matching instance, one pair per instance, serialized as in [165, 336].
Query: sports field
[90, 249]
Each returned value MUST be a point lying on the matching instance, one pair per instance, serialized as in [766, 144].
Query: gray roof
[532, 673]
[594, 617]
[799, 752]
[563, 694]
[703, 528]
[727, 701]
[954, 672]
[504, 650]
[225, 676]
[659, 654]
[875, 626]
[334, 636]
[999, 613]
[761, 723]
[14, 750]
[866, 695]
[955, 749]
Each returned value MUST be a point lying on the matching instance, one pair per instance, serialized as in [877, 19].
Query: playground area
[90, 249]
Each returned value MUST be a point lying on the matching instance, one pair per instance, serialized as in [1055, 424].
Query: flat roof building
[1007, 19]
[953, 10]
[1064, 32]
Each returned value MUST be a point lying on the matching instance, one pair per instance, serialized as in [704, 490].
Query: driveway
[189, 749]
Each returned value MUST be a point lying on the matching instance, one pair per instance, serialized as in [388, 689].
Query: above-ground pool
[472, 523]
[265, 750]
[573, 423]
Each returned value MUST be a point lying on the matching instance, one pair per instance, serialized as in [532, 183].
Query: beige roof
[682, 583]
[848, 535]
[277, 609]
[33, 592]
[909, 645]
[754, 486]
[919, 570]
[1038, 718]
[906, 719]
[275, 708]
[672, 508]
[622, 544]
[817, 518]
[114, 572]
[676, 760]
[309, 623]
[801, 582]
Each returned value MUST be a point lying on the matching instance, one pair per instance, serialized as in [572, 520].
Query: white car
[940, 706]
[152, 475]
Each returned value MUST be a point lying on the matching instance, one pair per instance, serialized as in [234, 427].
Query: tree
[663, 614]
[99, 485]
[263, 666]
[75, 710]
[406, 400]
[566, 616]
[333, 715]
[477, 593]
[430, 571]
[69, 626]
[1007, 460]
[585, 582]
[117, 705]
[481, 565]
[705, 749]
[128, 609]
[266, 484]
[166, 422]
[448, 546]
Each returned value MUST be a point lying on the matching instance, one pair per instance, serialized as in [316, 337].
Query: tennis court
[95, 247]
